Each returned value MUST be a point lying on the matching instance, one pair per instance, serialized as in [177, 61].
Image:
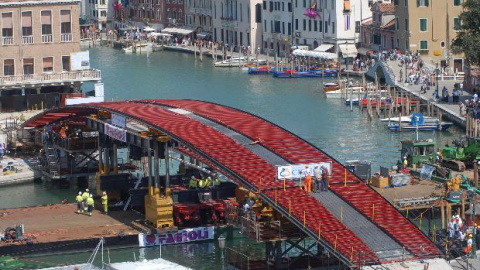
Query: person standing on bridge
[85, 196]
[308, 180]
[324, 178]
[317, 173]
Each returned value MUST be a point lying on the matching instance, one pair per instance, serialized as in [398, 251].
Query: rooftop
[385, 7]
[4, 3]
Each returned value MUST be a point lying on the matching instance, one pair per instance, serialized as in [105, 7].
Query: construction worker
[105, 202]
[308, 180]
[405, 163]
[217, 181]
[193, 182]
[90, 204]
[208, 182]
[201, 183]
[85, 196]
[79, 200]
[324, 178]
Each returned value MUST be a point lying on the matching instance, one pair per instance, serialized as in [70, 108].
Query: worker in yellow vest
[85, 196]
[217, 182]
[208, 182]
[90, 204]
[79, 200]
[201, 183]
[193, 182]
[105, 202]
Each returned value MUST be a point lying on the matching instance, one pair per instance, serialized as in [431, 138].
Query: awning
[202, 35]
[180, 31]
[324, 47]
[315, 54]
[348, 50]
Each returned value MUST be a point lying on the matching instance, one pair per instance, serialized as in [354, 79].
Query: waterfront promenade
[449, 110]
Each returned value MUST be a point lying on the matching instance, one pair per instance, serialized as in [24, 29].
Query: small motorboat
[232, 62]
[418, 122]
[331, 86]
[139, 48]
[338, 93]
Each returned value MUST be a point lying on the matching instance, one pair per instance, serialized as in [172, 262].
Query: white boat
[139, 48]
[408, 119]
[155, 264]
[232, 62]
[338, 93]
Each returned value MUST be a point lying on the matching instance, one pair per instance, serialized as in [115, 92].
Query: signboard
[80, 60]
[119, 120]
[179, 237]
[116, 133]
[295, 171]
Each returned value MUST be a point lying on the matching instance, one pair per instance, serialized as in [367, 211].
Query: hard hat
[209, 178]
[193, 177]
[306, 166]
[470, 235]
[91, 196]
[86, 190]
[79, 193]
[104, 193]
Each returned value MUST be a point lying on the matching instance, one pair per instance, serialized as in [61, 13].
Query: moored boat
[232, 62]
[138, 48]
[338, 93]
[418, 122]
[293, 73]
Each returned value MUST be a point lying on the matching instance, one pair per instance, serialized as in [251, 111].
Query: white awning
[315, 54]
[348, 50]
[180, 31]
[324, 47]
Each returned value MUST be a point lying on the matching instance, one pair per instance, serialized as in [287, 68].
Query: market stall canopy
[148, 29]
[315, 54]
[348, 50]
[324, 47]
[180, 31]
[155, 34]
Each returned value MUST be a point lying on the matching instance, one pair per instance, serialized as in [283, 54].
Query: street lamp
[221, 245]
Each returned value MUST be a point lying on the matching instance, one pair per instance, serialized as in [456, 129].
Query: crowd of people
[204, 183]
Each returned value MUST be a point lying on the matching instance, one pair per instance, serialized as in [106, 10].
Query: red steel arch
[248, 168]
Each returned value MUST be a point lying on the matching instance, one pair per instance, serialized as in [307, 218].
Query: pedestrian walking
[90, 204]
[317, 173]
[79, 200]
[105, 202]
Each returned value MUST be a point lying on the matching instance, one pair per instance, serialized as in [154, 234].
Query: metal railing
[47, 38]
[70, 76]
[66, 37]
[7, 40]
[27, 40]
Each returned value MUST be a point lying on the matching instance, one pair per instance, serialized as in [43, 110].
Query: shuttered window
[27, 23]
[46, 18]
[423, 25]
[8, 67]
[7, 25]
[28, 66]
[48, 64]
[65, 22]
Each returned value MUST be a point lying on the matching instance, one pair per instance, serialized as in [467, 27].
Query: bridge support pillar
[156, 165]
[167, 168]
[150, 177]
[115, 159]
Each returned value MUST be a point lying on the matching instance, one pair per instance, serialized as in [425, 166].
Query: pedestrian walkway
[450, 110]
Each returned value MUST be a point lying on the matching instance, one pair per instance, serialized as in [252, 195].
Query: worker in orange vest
[308, 180]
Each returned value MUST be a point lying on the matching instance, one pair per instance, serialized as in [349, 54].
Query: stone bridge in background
[383, 72]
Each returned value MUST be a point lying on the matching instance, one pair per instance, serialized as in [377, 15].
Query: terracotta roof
[386, 7]
[390, 24]
[367, 22]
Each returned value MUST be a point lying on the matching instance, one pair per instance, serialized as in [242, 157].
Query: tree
[468, 38]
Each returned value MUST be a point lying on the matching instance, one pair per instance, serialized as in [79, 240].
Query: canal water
[298, 105]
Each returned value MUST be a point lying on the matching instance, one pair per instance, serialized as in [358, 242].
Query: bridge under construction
[352, 223]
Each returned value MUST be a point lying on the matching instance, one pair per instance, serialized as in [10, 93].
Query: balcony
[66, 37]
[51, 78]
[27, 40]
[47, 38]
[7, 41]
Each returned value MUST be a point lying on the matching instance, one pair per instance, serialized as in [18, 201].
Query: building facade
[198, 16]
[40, 48]
[277, 26]
[427, 27]
[238, 22]
[158, 14]
[99, 12]
[378, 32]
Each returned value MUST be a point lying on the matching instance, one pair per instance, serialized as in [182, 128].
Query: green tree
[468, 38]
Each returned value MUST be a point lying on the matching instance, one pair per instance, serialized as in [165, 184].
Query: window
[48, 64]
[406, 24]
[423, 45]
[46, 19]
[397, 25]
[333, 27]
[264, 5]
[326, 27]
[65, 22]
[289, 28]
[405, 3]
[310, 25]
[457, 23]
[320, 26]
[28, 66]
[27, 24]
[304, 25]
[271, 6]
[277, 26]
[289, 7]
[7, 25]
[258, 13]
[103, 13]
[442, 44]
[315, 26]
[423, 25]
[422, 3]
[347, 23]
[304, 3]
[265, 26]
[395, 2]
[357, 26]
[8, 67]
[283, 6]
[66, 63]
[283, 28]
[457, 2]
[296, 24]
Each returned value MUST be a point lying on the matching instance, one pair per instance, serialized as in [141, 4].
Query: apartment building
[277, 26]
[198, 16]
[158, 14]
[427, 27]
[100, 12]
[238, 22]
[40, 48]
[378, 32]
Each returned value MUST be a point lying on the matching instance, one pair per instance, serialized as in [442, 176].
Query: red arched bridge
[368, 228]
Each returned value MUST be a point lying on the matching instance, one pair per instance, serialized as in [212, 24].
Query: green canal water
[298, 105]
